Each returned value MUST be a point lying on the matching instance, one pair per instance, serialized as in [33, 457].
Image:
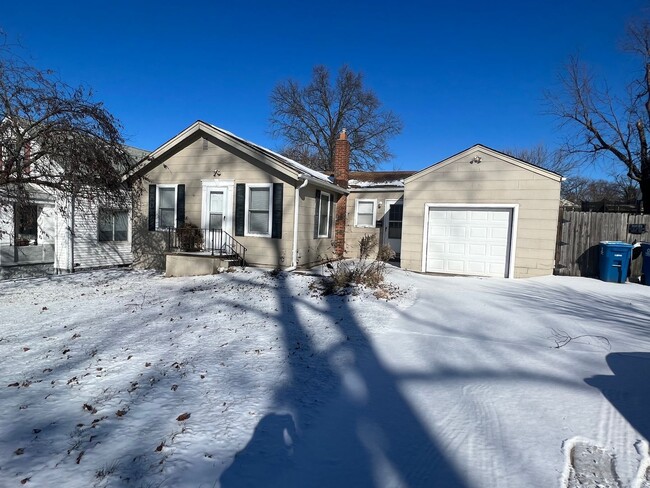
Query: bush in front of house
[190, 237]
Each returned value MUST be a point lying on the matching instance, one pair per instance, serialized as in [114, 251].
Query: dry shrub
[366, 244]
[345, 275]
[386, 253]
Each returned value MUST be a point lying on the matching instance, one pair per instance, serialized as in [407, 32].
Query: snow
[454, 381]
[378, 184]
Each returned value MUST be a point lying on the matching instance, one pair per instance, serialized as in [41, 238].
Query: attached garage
[482, 213]
[469, 240]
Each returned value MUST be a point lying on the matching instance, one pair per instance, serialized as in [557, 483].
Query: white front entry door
[469, 241]
[393, 225]
[216, 215]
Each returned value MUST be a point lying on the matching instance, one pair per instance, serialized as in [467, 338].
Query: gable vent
[205, 144]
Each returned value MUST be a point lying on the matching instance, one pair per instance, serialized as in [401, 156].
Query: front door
[216, 216]
[393, 225]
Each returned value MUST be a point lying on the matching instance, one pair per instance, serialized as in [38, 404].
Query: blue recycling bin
[645, 266]
[614, 261]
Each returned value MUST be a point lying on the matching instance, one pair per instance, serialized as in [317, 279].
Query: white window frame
[246, 208]
[158, 187]
[320, 213]
[112, 211]
[374, 212]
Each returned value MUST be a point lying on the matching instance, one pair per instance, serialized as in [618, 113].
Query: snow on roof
[375, 179]
[282, 159]
[374, 184]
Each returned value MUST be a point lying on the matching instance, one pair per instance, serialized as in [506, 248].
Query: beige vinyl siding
[313, 250]
[353, 234]
[493, 181]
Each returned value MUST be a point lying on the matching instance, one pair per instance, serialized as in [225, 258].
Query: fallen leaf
[183, 416]
[121, 413]
[19, 451]
[160, 447]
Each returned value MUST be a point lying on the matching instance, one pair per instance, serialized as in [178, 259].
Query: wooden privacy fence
[579, 236]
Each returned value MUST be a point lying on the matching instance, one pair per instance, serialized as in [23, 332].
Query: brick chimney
[341, 177]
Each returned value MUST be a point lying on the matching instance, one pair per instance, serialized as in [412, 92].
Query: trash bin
[614, 261]
[645, 266]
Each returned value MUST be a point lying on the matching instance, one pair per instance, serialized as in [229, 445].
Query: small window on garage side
[113, 225]
[365, 213]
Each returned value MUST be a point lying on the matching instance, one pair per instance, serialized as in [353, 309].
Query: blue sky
[457, 73]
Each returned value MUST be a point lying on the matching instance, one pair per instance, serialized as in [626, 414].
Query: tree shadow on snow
[343, 421]
[628, 389]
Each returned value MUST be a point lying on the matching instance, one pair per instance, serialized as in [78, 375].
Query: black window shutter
[276, 231]
[240, 208]
[152, 207]
[331, 219]
[180, 206]
[316, 214]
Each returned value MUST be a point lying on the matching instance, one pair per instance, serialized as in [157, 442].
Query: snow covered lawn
[125, 378]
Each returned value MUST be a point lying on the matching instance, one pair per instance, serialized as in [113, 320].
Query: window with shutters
[113, 225]
[324, 215]
[365, 212]
[166, 206]
[258, 210]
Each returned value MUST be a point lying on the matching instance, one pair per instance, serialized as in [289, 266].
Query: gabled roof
[378, 179]
[273, 159]
[492, 152]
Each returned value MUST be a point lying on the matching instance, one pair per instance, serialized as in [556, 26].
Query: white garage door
[468, 241]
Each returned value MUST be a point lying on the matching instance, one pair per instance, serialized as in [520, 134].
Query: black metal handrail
[216, 241]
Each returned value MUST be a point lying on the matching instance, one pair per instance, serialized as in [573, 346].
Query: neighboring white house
[58, 234]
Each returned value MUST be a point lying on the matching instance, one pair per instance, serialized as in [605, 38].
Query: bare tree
[582, 189]
[310, 119]
[541, 155]
[55, 138]
[605, 123]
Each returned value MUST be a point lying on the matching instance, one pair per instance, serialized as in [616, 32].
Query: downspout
[296, 203]
[71, 242]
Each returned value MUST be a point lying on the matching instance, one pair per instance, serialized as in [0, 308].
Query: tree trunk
[645, 195]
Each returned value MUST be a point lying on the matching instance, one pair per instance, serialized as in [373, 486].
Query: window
[27, 224]
[324, 215]
[395, 214]
[166, 206]
[258, 210]
[365, 213]
[113, 225]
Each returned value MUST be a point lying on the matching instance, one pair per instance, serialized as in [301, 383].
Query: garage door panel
[478, 232]
[455, 266]
[457, 248]
[477, 249]
[500, 234]
[475, 267]
[458, 232]
[468, 241]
